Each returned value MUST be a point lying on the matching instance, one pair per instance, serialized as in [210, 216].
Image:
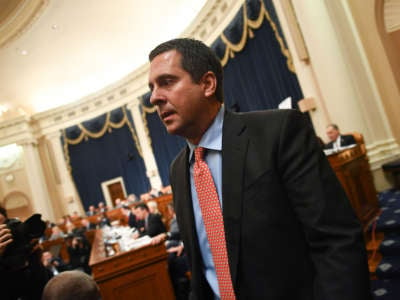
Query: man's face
[140, 213]
[181, 103]
[332, 133]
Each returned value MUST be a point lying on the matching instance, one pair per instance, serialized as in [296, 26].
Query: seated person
[337, 140]
[55, 265]
[79, 253]
[151, 224]
[86, 225]
[132, 198]
[104, 220]
[145, 197]
[101, 207]
[118, 203]
[154, 193]
[166, 190]
[71, 285]
[130, 214]
[153, 207]
[178, 264]
[92, 211]
[56, 233]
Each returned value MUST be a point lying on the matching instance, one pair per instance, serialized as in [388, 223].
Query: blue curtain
[258, 70]
[165, 146]
[101, 149]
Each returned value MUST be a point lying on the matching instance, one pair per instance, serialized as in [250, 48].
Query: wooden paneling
[136, 274]
[352, 169]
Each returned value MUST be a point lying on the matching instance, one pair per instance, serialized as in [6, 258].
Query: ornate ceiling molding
[17, 17]
[391, 12]
[210, 22]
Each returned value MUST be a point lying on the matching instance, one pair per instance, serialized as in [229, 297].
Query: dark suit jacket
[132, 222]
[154, 226]
[345, 140]
[290, 230]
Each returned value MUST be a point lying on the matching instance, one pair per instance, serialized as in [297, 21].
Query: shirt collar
[212, 138]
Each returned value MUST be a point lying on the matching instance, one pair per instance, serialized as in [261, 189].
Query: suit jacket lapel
[183, 193]
[183, 198]
[234, 150]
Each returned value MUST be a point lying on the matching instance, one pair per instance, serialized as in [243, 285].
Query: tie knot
[199, 153]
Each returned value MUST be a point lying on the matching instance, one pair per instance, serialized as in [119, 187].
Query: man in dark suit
[337, 140]
[290, 231]
[151, 224]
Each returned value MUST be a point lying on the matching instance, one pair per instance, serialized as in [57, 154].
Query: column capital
[53, 135]
[134, 104]
[28, 142]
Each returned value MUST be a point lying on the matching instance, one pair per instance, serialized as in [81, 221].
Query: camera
[23, 233]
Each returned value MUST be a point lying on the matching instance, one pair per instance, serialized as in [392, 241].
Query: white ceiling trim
[391, 12]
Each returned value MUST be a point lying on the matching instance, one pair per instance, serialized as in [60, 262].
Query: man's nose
[156, 97]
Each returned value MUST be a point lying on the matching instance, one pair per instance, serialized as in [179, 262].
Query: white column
[148, 154]
[40, 196]
[344, 76]
[65, 186]
[341, 69]
[301, 61]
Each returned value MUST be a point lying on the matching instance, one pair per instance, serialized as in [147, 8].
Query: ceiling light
[22, 51]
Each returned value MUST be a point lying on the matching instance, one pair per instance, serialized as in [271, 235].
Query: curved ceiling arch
[70, 49]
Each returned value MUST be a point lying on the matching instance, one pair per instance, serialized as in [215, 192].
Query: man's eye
[168, 81]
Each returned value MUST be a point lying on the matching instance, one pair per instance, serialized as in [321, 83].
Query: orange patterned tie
[213, 222]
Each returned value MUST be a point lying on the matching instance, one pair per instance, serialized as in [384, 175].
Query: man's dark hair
[142, 206]
[197, 59]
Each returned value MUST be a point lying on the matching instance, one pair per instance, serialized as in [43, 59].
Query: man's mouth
[164, 115]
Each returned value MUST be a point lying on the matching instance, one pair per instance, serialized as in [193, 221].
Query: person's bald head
[69, 285]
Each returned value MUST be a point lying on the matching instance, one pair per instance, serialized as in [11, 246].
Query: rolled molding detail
[20, 19]
[16, 130]
[382, 152]
[391, 12]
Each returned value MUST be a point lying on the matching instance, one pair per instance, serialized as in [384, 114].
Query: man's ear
[209, 82]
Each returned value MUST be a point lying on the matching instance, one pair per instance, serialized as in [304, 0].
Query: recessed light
[55, 27]
[22, 51]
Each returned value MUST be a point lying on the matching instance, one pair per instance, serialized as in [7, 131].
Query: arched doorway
[17, 205]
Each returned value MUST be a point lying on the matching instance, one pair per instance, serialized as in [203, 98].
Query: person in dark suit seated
[261, 213]
[104, 220]
[79, 253]
[337, 140]
[92, 211]
[130, 213]
[178, 264]
[55, 265]
[151, 223]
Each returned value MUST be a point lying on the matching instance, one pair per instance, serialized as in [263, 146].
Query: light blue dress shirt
[212, 141]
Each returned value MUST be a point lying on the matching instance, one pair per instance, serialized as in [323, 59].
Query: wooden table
[136, 274]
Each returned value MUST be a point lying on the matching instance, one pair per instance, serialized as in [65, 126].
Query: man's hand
[177, 249]
[5, 238]
[135, 235]
[158, 238]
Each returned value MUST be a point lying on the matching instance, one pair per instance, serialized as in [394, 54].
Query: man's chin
[173, 130]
